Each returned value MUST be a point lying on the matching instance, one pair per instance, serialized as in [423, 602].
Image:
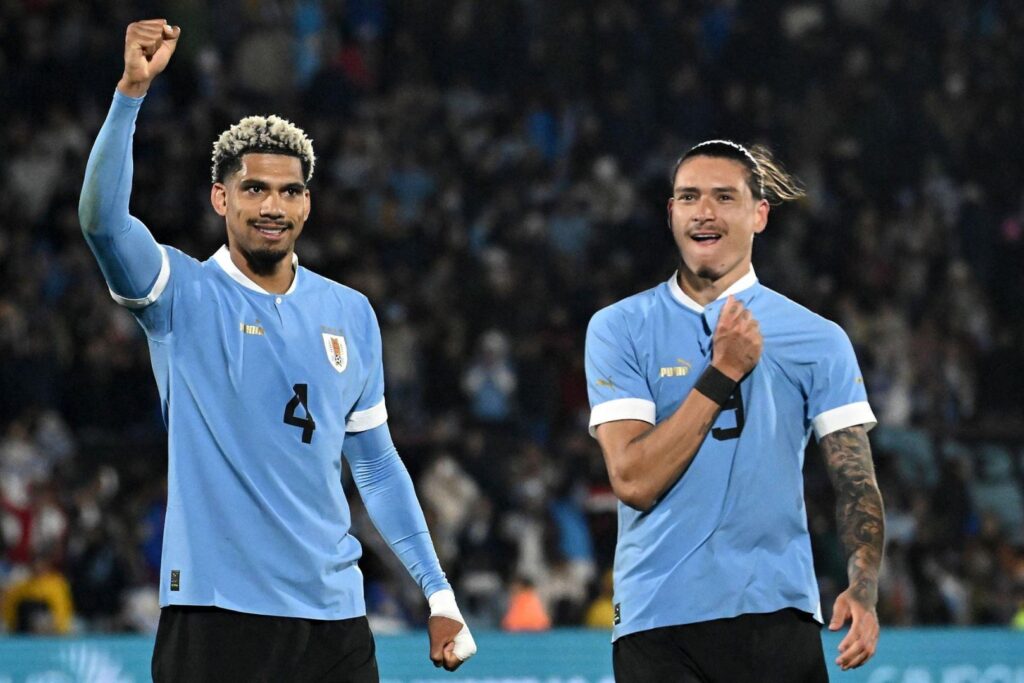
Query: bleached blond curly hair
[261, 134]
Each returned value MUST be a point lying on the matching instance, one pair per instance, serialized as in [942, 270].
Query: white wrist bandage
[442, 604]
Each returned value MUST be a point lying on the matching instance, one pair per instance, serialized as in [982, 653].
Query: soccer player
[267, 373]
[704, 391]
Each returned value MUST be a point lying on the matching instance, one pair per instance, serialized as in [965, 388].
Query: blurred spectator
[39, 603]
[490, 382]
[450, 495]
[525, 608]
[601, 612]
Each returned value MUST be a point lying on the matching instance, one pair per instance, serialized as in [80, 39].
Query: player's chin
[703, 269]
[708, 272]
[264, 259]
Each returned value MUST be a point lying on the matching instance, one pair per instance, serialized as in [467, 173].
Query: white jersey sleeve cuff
[154, 293]
[621, 409]
[850, 415]
[363, 420]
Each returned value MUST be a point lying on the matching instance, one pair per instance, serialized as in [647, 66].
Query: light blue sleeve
[616, 383]
[134, 265]
[387, 491]
[369, 410]
[836, 397]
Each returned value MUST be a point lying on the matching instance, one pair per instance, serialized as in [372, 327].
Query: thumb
[840, 613]
[170, 36]
[725, 312]
[464, 644]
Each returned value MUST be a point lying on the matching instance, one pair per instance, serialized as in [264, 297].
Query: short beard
[707, 273]
[263, 262]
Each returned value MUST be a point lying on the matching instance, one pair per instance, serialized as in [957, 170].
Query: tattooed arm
[861, 524]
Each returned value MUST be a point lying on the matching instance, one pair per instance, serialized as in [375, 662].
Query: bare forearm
[860, 515]
[655, 459]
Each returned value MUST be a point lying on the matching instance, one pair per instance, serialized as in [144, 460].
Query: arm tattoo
[859, 513]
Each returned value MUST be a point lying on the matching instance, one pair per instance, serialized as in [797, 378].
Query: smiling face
[714, 217]
[265, 204]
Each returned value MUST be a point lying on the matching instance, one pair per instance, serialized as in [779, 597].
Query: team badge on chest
[337, 351]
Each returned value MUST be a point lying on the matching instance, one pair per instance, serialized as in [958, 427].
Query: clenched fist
[737, 342]
[148, 46]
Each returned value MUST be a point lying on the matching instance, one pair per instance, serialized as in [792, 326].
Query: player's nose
[705, 209]
[271, 205]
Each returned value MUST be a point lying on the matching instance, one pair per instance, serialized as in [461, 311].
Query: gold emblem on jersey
[607, 383]
[251, 329]
[681, 370]
[337, 351]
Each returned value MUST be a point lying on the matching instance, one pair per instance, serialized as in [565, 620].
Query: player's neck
[705, 290]
[276, 282]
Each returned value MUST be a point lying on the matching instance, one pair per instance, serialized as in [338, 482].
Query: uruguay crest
[337, 351]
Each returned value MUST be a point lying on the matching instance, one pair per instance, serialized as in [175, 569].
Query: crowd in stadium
[490, 175]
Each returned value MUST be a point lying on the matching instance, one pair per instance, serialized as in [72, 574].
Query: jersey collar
[745, 282]
[223, 259]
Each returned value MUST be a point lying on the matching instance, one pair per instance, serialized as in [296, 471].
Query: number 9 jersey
[730, 537]
[258, 391]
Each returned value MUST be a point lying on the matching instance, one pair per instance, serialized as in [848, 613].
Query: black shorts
[781, 646]
[197, 644]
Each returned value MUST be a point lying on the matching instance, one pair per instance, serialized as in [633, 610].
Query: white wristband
[442, 604]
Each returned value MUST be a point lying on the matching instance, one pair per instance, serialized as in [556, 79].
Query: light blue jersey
[730, 537]
[261, 394]
[258, 391]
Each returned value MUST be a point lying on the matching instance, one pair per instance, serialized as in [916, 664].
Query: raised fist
[737, 342]
[148, 46]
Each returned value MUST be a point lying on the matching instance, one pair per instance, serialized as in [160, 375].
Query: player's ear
[763, 207]
[307, 207]
[668, 212]
[219, 198]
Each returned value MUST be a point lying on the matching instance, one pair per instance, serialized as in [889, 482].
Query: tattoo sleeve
[859, 514]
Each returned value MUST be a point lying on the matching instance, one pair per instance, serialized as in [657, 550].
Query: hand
[148, 46]
[451, 643]
[737, 341]
[861, 642]
[442, 632]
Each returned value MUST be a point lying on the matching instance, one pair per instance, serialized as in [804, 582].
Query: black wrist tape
[714, 384]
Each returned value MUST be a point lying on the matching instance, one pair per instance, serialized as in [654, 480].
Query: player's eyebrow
[696, 190]
[257, 182]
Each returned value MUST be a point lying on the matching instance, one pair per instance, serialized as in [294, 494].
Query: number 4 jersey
[258, 391]
[730, 537]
